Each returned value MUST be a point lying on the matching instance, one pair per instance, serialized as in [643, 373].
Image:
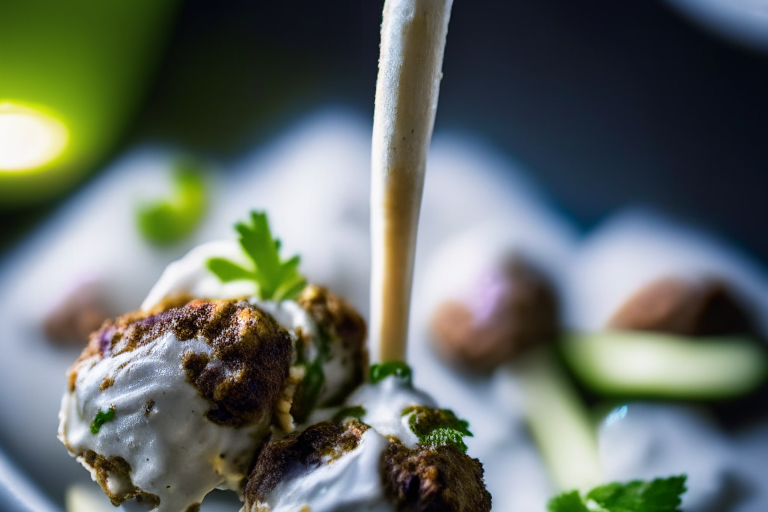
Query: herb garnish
[379, 372]
[101, 418]
[659, 495]
[170, 219]
[437, 427]
[275, 279]
[355, 411]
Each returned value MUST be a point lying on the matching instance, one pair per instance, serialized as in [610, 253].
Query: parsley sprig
[275, 279]
[659, 495]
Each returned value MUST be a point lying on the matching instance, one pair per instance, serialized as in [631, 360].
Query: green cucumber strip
[558, 421]
[635, 363]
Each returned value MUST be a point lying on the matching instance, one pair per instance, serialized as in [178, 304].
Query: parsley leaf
[437, 427]
[101, 418]
[567, 502]
[379, 372]
[227, 271]
[170, 219]
[659, 495]
[275, 279]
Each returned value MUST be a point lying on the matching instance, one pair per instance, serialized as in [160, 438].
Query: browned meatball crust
[706, 307]
[422, 479]
[441, 479]
[341, 339]
[246, 371]
[104, 466]
[525, 313]
[299, 451]
[338, 318]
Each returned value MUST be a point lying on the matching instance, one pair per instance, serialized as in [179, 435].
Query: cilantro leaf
[101, 418]
[659, 495]
[170, 219]
[437, 427]
[275, 279]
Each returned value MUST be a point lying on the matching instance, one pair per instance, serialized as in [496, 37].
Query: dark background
[608, 102]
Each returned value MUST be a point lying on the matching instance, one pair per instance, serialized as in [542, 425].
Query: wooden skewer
[410, 68]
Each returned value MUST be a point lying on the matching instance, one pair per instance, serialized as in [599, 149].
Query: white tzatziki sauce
[353, 481]
[159, 425]
[384, 403]
[190, 276]
[349, 483]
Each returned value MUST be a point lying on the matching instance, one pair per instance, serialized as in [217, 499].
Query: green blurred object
[557, 419]
[171, 219]
[636, 363]
[71, 75]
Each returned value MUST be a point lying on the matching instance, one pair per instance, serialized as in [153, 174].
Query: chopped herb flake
[379, 372]
[659, 495]
[101, 418]
[275, 279]
[356, 411]
[437, 427]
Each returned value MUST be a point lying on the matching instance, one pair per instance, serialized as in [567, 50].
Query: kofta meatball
[328, 466]
[164, 408]
[512, 307]
[687, 307]
[328, 335]
[384, 451]
[338, 466]
[440, 479]
[80, 312]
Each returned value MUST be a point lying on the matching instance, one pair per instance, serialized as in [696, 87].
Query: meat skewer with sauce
[240, 369]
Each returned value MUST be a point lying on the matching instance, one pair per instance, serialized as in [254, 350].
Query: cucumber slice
[638, 363]
[558, 420]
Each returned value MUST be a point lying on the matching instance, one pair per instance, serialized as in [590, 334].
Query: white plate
[313, 180]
